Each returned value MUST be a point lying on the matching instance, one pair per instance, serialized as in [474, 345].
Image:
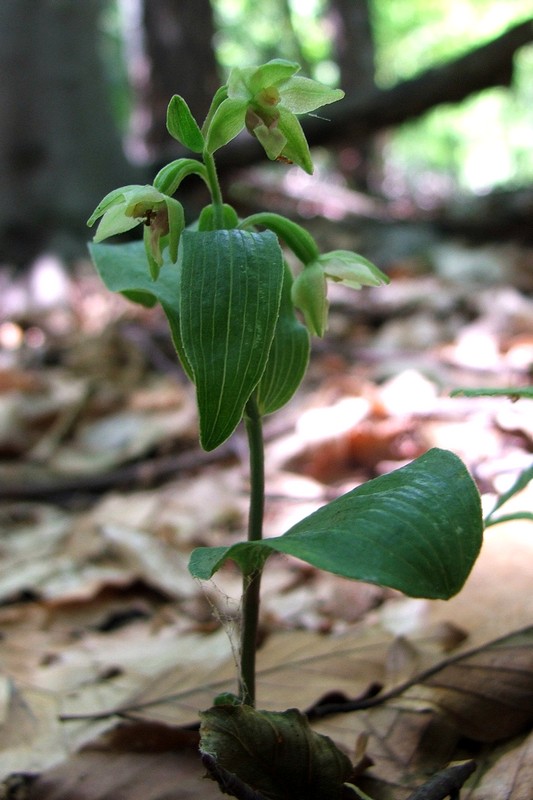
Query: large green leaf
[230, 291]
[124, 268]
[418, 529]
[288, 357]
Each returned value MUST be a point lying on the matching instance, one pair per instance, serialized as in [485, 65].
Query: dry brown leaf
[508, 775]
[487, 695]
[101, 774]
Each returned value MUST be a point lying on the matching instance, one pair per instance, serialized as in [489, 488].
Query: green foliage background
[482, 143]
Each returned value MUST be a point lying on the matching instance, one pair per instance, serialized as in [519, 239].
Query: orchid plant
[241, 321]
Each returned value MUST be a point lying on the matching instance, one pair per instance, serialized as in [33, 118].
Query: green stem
[214, 188]
[252, 581]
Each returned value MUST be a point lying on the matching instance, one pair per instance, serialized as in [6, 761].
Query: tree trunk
[181, 60]
[354, 53]
[59, 148]
[353, 44]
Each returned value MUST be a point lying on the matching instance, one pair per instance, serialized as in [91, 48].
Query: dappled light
[266, 443]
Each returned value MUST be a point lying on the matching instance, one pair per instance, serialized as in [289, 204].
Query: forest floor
[109, 647]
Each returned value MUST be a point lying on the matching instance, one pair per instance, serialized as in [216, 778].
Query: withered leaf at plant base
[276, 754]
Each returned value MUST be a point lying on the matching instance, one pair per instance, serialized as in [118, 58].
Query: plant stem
[214, 187]
[252, 581]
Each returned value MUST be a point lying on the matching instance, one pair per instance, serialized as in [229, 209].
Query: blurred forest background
[438, 101]
[426, 168]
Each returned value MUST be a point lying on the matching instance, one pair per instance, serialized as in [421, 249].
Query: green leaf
[207, 220]
[288, 357]
[123, 268]
[182, 125]
[169, 178]
[418, 529]
[274, 754]
[231, 284]
[522, 480]
[295, 237]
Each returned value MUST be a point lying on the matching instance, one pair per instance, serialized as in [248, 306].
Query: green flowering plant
[241, 321]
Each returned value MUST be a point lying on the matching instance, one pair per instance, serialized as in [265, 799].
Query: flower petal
[272, 73]
[113, 222]
[351, 269]
[301, 95]
[296, 149]
[272, 140]
[111, 199]
[226, 124]
[176, 223]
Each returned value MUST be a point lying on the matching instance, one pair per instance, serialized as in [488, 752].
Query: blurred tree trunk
[181, 60]
[354, 52]
[353, 44]
[59, 148]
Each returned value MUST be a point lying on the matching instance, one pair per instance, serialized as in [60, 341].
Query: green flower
[309, 294]
[124, 208]
[265, 100]
[309, 290]
[351, 269]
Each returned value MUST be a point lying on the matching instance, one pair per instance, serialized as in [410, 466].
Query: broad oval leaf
[230, 293]
[418, 529]
[124, 268]
[288, 357]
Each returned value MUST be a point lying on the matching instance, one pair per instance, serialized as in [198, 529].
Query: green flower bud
[309, 294]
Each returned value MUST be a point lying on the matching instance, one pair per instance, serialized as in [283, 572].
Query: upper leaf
[182, 125]
[123, 268]
[418, 529]
[230, 294]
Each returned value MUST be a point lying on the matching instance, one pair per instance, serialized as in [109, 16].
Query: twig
[446, 783]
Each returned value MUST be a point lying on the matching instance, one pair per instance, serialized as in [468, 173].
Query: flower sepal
[352, 270]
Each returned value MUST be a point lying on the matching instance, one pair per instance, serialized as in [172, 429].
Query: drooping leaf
[169, 178]
[288, 357]
[276, 754]
[231, 284]
[124, 268]
[418, 529]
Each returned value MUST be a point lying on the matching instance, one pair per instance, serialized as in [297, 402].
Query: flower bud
[309, 294]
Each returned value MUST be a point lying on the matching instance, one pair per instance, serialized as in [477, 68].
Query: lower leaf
[274, 754]
[418, 529]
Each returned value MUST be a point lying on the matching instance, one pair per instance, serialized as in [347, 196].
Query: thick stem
[252, 582]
